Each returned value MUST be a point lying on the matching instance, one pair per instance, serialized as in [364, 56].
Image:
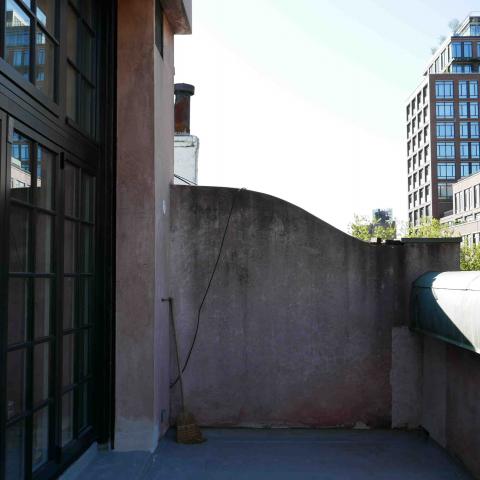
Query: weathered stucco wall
[300, 321]
[451, 400]
[144, 173]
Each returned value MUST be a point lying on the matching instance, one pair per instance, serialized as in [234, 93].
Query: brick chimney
[183, 92]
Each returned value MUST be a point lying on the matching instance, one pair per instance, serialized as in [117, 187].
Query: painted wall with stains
[303, 325]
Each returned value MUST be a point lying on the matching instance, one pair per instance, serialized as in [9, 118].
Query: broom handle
[180, 375]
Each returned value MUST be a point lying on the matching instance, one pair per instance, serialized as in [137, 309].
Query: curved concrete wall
[303, 326]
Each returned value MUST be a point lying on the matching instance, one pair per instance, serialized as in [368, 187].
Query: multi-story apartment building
[464, 219]
[443, 136]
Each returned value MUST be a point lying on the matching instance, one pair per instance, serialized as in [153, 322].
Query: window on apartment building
[426, 151]
[419, 98]
[445, 191]
[474, 131]
[410, 201]
[445, 130]
[415, 199]
[468, 89]
[409, 165]
[463, 130]
[474, 150]
[468, 109]
[445, 150]
[414, 105]
[427, 193]
[444, 89]
[409, 148]
[427, 211]
[473, 88]
[467, 49]
[465, 68]
[473, 106]
[427, 173]
[464, 150]
[446, 171]
[420, 177]
[408, 130]
[419, 138]
[425, 113]
[461, 49]
[456, 49]
[425, 133]
[408, 112]
[424, 94]
[444, 109]
[414, 124]
[469, 168]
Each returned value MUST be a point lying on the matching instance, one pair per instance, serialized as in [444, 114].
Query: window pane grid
[31, 309]
[30, 46]
[80, 68]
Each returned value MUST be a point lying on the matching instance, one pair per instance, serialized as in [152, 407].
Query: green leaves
[470, 257]
[364, 229]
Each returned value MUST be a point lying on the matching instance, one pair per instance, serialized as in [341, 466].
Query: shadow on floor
[285, 454]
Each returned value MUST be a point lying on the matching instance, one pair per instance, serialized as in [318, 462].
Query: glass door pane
[32, 220]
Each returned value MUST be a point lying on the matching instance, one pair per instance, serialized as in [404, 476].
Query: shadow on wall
[297, 327]
[447, 306]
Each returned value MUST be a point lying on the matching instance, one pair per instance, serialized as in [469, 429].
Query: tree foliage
[429, 228]
[470, 257]
[453, 24]
[365, 229]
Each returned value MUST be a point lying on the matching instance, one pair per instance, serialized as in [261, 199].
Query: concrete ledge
[432, 240]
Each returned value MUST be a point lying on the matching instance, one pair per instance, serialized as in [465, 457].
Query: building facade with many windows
[442, 115]
[464, 219]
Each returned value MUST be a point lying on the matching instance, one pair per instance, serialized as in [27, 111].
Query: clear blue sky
[304, 99]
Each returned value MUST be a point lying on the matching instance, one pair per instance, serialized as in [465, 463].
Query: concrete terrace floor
[281, 454]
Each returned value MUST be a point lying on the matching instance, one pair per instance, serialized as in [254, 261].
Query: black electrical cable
[192, 345]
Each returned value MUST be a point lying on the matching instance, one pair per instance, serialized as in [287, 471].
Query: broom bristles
[187, 429]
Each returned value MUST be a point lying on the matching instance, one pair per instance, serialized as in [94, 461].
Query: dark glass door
[48, 213]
